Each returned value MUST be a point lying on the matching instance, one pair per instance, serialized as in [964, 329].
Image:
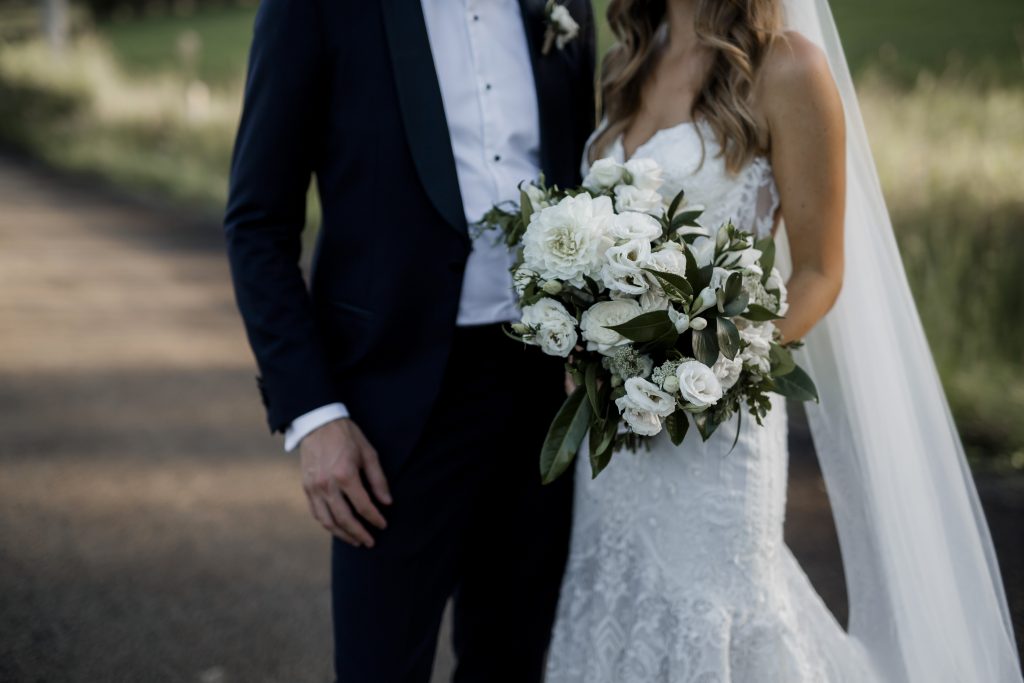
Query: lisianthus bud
[698, 324]
[552, 287]
[671, 384]
[520, 328]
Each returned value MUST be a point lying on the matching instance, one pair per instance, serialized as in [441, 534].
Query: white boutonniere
[561, 27]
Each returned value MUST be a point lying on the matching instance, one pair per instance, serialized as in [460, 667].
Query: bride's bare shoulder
[795, 73]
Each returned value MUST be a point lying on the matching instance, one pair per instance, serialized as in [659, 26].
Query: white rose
[567, 26]
[567, 241]
[641, 422]
[698, 385]
[727, 371]
[646, 173]
[603, 175]
[758, 338]
[633, 198]
[596, 320]
[622, 269]
[648, 397]
[634, 226]
[554, 329]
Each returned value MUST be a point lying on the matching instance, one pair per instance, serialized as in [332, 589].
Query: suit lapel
[422, 107]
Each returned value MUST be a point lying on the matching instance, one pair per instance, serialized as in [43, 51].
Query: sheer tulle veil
[926, 598]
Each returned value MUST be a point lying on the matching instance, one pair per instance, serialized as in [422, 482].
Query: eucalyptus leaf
[733, 286]
[781, 360]
[674, 206]
[686, 219]
[737, 305]
[767, 260]
[645, 327]
[705, 343]
[728, 338]
[525, 206]
[602, 443]
[675, 286]
[565, 436]
[677, 425]
[590, 381]
[796, 384]
[757, 313]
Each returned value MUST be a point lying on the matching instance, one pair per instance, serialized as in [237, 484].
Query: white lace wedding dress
[678, 571]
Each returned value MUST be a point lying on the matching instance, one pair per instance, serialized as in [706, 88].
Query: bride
[678, 571]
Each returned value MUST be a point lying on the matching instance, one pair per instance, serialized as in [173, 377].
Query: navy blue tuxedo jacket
[346, 91]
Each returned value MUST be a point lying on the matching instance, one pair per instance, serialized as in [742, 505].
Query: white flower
[668, 260]
[648, 397]
[622, 269]
[698, 324]
[653, 300]
[727, 371]
[554, 330]
[719, 276]
[603, 175]
[775, 282]
[564, 23]
[646, 173]
[634, 226]
[521, 278]
[567, 241]
[538, 198]
[758, 338]
[642, 422]
[596, 320]
[743, 260]
[698, 385]
[703, 250]
[633, 198]
[703, 301]
[680, 320]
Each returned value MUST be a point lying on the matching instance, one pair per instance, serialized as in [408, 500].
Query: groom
[419, 423]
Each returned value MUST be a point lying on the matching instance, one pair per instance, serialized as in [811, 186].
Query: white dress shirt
[483, 66]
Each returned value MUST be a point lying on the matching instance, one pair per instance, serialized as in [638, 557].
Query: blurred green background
[146, 96]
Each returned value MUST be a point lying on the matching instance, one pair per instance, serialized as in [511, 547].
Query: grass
[126, 103]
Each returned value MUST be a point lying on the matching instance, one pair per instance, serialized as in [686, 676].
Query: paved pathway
[149, 528]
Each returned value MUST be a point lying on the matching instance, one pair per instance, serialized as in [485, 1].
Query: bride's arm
[797, 96]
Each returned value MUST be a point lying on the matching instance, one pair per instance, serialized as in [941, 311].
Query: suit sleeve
[270, 173]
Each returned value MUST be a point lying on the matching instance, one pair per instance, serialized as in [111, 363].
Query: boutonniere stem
[561, 27]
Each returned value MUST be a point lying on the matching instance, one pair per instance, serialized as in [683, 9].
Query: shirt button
[497, 157]
[476, 17]
[487, 87]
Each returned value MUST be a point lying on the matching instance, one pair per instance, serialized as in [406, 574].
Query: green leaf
[767, 260]
[781, 360]
[796, 384]
[564, 436]
[685, 219]
[525, 206]
[733, 286]
[646, 327]
[602, 444]
[675, 286]
[703, 278]
[705, 343]
[590, 380]
[592, 285]
[677, 425]
[705, 425]
[728, 338]
[692, 271]
[674, 206]
[739, 424]
[756, 313]
[737, 305]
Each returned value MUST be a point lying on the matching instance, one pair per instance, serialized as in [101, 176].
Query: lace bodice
[678, 571]
[690, 158]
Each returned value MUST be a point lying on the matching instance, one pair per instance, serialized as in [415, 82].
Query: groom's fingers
[320, 512]
[345, 518]
[375, 475]
[360, 499]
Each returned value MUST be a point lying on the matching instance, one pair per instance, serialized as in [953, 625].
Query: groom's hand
[334, 459]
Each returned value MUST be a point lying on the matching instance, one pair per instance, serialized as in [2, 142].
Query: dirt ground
[150, 529]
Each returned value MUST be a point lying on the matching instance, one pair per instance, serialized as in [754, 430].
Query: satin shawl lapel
[423, 115]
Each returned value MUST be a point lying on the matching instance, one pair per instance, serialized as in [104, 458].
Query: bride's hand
[334, 458]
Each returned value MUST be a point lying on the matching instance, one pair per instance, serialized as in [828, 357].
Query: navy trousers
[470, 519]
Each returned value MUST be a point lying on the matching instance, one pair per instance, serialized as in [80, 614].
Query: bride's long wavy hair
[738, 32]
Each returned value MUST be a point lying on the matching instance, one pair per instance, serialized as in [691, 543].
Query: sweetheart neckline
[620, 141]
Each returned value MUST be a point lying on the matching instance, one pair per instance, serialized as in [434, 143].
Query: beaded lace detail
[678, 572]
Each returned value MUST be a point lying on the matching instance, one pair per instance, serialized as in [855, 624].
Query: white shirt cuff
[303, 425]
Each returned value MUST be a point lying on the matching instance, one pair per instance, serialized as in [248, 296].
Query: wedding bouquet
[662, 321]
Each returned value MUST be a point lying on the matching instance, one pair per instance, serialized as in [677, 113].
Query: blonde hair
[739, 34]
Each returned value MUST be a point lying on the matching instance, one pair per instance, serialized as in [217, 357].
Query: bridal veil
[926, 598]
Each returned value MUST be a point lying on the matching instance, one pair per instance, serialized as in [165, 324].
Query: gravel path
[149, 528]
